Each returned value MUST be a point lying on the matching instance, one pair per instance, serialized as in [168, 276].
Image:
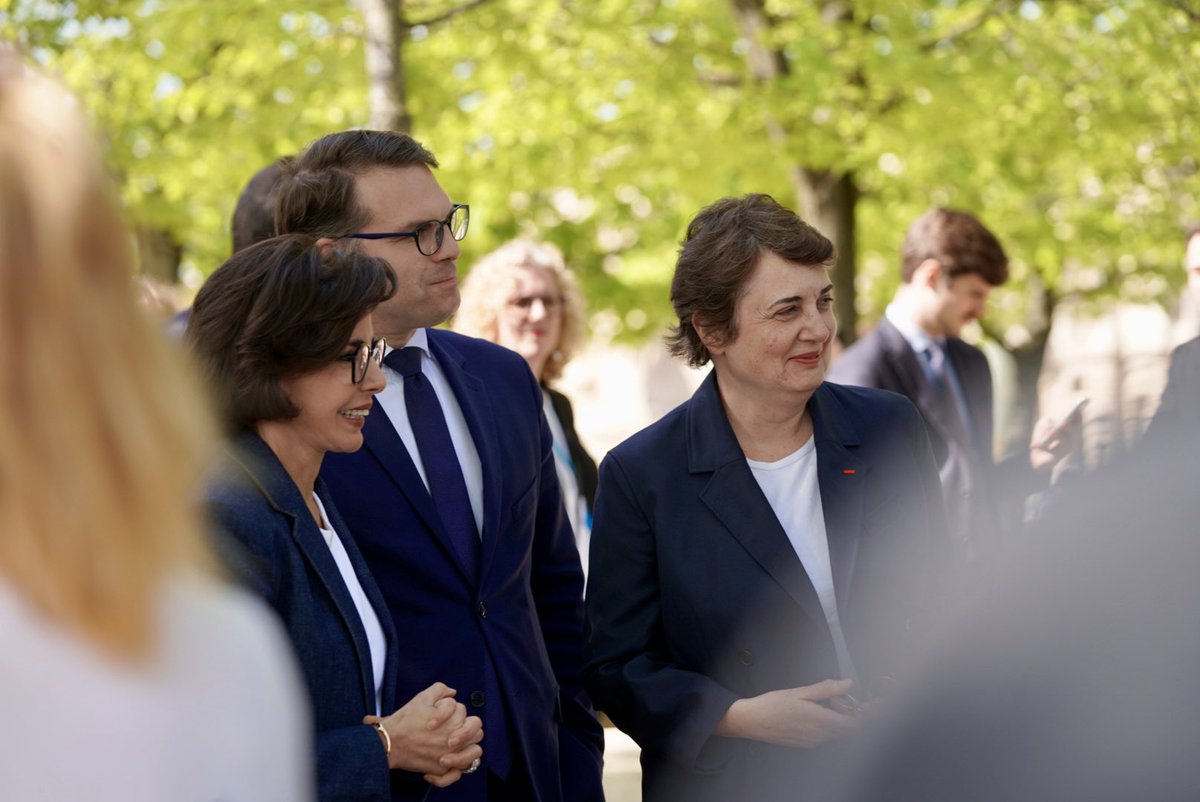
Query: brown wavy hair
[719, 254]
[280, 308]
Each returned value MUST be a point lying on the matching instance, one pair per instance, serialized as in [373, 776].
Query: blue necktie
[953, 411]
[442, 471]
[449, 491]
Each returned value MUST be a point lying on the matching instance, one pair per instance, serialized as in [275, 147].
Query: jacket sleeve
[351, 762]
[666, 709]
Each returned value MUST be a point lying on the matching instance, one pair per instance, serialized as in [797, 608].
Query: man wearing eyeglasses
[454, 499]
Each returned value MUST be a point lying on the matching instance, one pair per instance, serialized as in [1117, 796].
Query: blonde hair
[103, 436]
[485, 292]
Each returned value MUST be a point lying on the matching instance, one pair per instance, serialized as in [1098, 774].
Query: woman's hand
[790, 717]
[433, 735]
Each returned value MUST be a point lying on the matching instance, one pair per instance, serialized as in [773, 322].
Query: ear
[326, 245]
[714, 342]
[928, 273]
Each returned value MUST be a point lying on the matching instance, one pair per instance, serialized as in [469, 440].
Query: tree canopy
[604, 125]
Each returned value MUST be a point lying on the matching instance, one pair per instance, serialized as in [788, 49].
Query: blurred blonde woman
[129, 672]
[523, 296]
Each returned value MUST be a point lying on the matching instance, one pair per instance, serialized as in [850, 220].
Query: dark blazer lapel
[735, 498]
[481, 421]
[915, 384]
[272, 480]
[841, 476]
[382, 442]
[977, 391]
[911, 376]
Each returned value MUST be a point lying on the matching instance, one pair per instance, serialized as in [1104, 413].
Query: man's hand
[1053, 440]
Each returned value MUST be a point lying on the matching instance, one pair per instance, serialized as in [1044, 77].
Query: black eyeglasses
[429, 236]
[363, 356]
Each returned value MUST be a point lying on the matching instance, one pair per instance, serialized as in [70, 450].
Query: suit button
[746, 657]
[482, 610]
[478, 698]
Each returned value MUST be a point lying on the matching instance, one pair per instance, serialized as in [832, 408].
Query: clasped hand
[433, 735]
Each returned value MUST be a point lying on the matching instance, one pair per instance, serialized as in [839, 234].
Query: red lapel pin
[848, 471]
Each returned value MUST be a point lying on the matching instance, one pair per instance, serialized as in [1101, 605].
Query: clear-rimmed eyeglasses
[363, 356]
[524, 303]
[429, 236]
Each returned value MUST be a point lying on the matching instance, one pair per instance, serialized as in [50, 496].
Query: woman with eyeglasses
[283, 332]
[523, 296]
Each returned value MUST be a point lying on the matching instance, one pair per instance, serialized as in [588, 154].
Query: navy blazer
[525, 611]
[284, 558]
[976, 489]
[697, 598]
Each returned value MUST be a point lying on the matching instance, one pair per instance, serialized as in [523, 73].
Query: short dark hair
[317, 196]
[958, 242]
[254, 216]
[1194, 231]
[277, 309]
[723, 245]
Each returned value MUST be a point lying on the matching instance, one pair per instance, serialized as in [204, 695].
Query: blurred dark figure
[950, 264]
[1076, 678]
[253, 221]
[254, 216]
[1180, 405]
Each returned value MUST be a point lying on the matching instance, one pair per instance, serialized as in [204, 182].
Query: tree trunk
[1028, 360]
[828, 201]
[826, 198]
[387, 92]
[158, 255]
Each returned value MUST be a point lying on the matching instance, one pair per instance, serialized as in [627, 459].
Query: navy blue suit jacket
[697, 598]
[281, 554]
[977, 490]
[525, 611]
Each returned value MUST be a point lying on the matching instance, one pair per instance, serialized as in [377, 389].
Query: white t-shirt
[366, 613]
[220, 713]
[794, 493]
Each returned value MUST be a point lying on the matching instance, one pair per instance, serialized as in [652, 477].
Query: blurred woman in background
[522, 296]
[129, 672]
[284, 335]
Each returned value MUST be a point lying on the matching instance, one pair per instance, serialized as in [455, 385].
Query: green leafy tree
[604, 125]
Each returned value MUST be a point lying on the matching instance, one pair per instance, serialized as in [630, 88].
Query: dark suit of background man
[1180, 405]
[950, 264]
[497, 614]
